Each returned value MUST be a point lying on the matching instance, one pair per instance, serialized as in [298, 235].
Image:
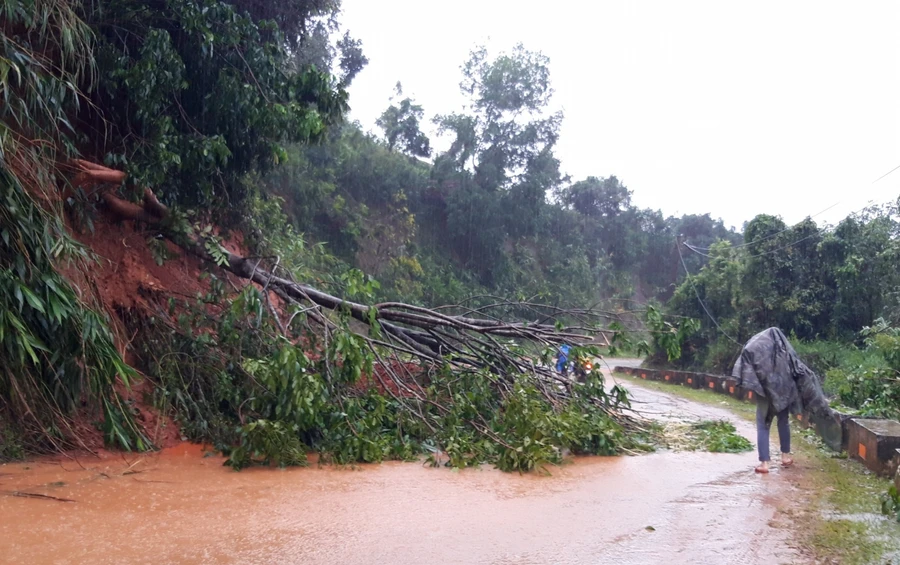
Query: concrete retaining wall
[897, 469]
[874, 442]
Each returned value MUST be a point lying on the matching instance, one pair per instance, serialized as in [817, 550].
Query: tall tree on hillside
[598, 198]
[309, 28]
[767, 271]
[784, 279]
[610, 223]
[501, 158]
[296, 19]
[659, 265]
[196, 96]
[506, 129]
[860, 258]
[400, 123]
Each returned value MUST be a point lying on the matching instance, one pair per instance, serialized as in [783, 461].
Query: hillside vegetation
[197, 241]
[160, 165]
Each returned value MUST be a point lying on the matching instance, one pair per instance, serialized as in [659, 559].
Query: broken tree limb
[421, 357]
[89, 174]
[433, 335]
[23, 494]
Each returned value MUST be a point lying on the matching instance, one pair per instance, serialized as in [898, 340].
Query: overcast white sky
[732, 108]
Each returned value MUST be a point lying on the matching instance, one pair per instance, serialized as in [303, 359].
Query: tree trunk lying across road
[469, 339]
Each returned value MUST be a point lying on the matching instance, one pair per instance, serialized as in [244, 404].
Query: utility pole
[678, 239]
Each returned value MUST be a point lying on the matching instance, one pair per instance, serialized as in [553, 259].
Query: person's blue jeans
[765, 413]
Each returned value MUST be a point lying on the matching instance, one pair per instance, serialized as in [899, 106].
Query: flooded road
[180, 506]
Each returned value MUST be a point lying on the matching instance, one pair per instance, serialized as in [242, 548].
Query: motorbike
[582, 368]
[579, 368]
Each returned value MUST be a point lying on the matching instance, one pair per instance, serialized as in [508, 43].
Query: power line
[819, 232]
[818, 214]
[886, 174]
[697, 249]
[783, 247]
[769, 252]
[791, 244]
[697, 293]
[771, 235]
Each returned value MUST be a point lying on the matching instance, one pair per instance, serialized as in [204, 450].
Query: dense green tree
[812, 282]
[610, 224]
[501, 161]
[598, 198]
[860, 257]
[509, 127]
[337, 190]
[400, 123]
[784, 277]
[194, 95]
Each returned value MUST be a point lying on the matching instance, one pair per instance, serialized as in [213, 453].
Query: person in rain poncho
[783, 384]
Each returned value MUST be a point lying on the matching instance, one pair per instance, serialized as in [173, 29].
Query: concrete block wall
[897, 469]
[875, 443]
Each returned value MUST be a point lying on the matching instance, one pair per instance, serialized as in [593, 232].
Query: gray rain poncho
[769, 366]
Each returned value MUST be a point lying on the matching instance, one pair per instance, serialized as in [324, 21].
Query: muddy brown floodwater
[180, 506]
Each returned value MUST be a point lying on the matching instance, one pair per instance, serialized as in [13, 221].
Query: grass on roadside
[716, 436]
[837, 514]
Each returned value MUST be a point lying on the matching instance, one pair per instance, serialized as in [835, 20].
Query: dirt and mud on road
[180, 506]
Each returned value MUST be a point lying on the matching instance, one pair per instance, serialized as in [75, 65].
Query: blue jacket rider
[562, 360]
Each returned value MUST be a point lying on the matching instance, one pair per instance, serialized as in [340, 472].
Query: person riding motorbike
[562, 360]
[580, 366]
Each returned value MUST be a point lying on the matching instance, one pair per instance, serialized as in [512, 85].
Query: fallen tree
[472, 371]
[429, 334]
[279, 365]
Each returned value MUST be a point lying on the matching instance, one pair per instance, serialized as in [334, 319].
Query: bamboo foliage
[55, 351]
